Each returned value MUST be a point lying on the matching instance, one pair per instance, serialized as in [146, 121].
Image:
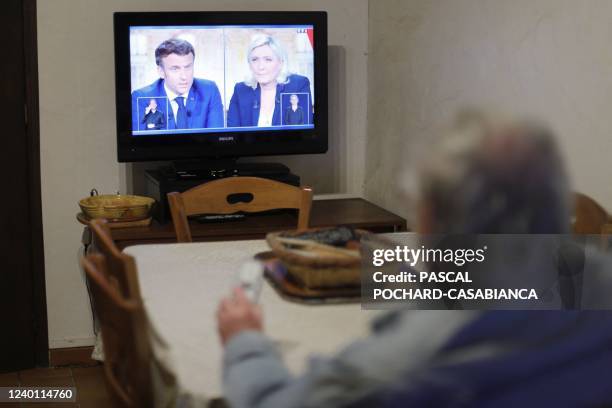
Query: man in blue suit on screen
[193, 103]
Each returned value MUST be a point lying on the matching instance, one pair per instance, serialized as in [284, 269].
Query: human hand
[236, 314]
[147, 109]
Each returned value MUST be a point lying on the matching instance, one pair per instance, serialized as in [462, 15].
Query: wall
[78, 150]
[549, 58]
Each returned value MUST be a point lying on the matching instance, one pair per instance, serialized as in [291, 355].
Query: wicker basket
[116, 207]
[317, 269]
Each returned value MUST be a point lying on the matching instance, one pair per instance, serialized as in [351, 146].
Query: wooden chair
[212, 198]
[127, 346]
[121, 267]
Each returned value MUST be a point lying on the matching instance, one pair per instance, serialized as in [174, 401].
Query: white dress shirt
[174, 104]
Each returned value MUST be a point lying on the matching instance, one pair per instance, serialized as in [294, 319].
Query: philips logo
[226, 138]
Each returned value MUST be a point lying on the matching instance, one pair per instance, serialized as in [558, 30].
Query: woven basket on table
[322, 271]
[116, 207]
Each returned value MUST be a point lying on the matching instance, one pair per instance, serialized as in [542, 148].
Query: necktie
[181, 114]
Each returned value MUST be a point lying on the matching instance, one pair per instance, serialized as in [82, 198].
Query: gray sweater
[401, 343]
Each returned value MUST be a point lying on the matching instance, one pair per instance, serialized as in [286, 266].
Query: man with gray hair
[487, 176]
[495, 176]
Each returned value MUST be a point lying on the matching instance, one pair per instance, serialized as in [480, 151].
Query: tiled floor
[89, 382]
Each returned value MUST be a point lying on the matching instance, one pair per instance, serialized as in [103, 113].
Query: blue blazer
[204, 106]
[245, 103]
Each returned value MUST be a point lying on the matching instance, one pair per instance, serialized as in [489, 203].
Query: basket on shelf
[320, 258]
[116, 207]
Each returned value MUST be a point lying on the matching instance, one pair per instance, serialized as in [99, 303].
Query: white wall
[549, 58]
[78, 149]
[425, 59]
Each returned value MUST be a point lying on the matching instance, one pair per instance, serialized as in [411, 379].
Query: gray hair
[493, 177]
[259, 41]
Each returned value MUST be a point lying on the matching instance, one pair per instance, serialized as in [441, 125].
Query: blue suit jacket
[245, 103]
[204, 106]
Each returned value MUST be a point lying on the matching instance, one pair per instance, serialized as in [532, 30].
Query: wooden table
[181, 285]
[355, 212]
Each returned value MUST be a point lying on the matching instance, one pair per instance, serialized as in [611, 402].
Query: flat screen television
[210, 85]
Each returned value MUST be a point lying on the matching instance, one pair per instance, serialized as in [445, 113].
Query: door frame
[30, 53]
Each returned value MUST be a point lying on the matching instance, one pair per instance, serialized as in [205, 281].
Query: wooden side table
[354, 212]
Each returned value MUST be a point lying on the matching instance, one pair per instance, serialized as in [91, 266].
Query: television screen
[231, 84]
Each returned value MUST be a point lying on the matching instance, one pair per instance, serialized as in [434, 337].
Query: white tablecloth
[181, 286]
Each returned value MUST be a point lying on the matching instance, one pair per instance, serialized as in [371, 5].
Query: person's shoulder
[243, 90]
[149, 90]
[242, 86]
[297, 80]
[202, 83]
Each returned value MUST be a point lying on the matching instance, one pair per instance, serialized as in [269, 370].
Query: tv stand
[220, 168]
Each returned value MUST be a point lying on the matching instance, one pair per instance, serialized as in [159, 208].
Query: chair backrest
[127, 347]
[121, 267]
[215, 198]
[590, 217]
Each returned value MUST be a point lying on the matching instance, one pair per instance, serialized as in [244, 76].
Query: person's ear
[425, 220]
[161, 72]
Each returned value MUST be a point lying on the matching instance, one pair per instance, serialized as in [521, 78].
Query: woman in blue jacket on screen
[257, 101]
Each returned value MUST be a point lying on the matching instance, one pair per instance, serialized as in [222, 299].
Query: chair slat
[127, 346]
